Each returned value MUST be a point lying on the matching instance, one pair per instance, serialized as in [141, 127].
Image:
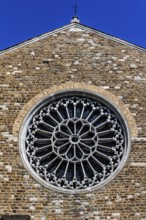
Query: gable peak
[75, 20]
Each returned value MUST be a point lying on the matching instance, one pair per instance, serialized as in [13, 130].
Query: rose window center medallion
[74, 141]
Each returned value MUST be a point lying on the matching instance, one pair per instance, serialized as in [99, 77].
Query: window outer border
[40, 104]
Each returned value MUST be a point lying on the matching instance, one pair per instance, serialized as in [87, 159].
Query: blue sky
[21, 20]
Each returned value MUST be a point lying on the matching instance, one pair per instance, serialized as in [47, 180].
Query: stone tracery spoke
[43, 148]
[106, 148]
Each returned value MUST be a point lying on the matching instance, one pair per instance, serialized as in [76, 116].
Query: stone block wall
[73, 56]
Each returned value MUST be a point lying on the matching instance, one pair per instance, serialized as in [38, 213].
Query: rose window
[74, 141]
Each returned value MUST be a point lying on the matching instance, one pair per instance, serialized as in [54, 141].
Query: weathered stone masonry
[73, 56]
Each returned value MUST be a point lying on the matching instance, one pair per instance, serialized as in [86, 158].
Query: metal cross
[75, 9]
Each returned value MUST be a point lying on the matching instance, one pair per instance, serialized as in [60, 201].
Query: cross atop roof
[75, 17]
[75, 9]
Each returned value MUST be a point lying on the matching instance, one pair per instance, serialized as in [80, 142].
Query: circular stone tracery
[74, 141]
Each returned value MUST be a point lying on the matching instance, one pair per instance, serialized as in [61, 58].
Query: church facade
[73, 127]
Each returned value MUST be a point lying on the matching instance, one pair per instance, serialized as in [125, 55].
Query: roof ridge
[79, 25]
